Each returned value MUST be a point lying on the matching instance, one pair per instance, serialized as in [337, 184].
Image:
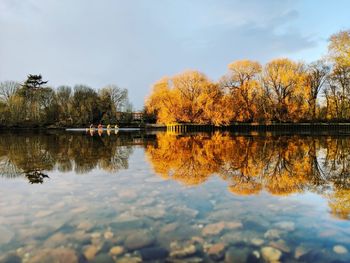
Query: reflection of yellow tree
[339, 203]
[250, 164]
[278, 164]
[189, 159]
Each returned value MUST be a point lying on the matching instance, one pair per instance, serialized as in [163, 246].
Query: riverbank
[235, 127]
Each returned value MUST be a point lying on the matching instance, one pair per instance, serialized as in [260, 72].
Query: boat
[102, 129]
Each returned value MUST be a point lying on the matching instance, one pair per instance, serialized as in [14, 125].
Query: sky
[134, 43]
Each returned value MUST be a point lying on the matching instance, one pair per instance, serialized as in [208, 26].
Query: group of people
[100, 126]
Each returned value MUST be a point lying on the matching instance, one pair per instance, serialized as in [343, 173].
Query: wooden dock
[261, 127]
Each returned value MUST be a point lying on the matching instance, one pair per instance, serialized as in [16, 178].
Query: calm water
[132, 197]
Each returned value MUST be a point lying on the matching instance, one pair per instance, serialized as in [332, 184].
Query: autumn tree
[282, 80]
[339, 86]
[244, 88]
[188, 97]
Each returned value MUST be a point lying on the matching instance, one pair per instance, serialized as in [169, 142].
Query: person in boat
[91, 126]
[100, 126]
[116, 127]
[108, 126]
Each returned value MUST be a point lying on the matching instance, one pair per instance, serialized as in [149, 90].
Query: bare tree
[118, 96]
[316, 76]
[8, 89]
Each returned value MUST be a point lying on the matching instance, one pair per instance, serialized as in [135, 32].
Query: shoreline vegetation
[281, 93]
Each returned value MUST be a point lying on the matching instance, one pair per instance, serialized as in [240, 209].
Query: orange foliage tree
[189, 97]
[244, 88]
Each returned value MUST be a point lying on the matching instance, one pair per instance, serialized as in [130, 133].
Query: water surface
[163, 197]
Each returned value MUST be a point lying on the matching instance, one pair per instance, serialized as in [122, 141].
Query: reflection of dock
[182, 128]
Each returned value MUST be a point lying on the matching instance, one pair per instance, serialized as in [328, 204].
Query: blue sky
[133, 43]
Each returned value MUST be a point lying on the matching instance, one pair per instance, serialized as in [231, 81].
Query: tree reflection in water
[280, 165]
[33, 155]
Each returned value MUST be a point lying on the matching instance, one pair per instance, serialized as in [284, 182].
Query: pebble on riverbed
[217, 251]
[339, 249]
[271, 254]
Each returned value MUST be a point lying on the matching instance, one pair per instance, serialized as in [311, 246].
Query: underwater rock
[183, 249]
[339, 249]
[272, 234]
[236, 255]
[288, 226]
[139, 239]
[271, 254]
[85, 225]
[108, 235]
[217, 228]
[55, 240]
[153, 253]
[281, 245]
[116, 251]
[185, 212]
[257, 241]
[11, 258]
[129, 259]
[102, 258]
[300, 251]
[217, 251]
[90, 252]
[56, 255]
[213, 229]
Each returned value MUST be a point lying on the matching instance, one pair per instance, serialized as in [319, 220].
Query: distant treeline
[34, 104]
[280, 91]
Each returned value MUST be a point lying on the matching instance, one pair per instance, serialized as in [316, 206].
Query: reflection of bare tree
[36, 177]
[30, 155]
[8, 169]
[337, 162]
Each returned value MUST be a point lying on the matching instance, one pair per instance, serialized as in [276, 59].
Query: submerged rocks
[213, 229]
[217, 251]
[184, 250]
[90, 252]
[339, 249]
[217, 228]
[102, 258]
[288, 226]
[301, 250]
[153, 253]
[236, 255]
[281, 245]
[271, 254]
[56, 255]
[116, 251]
[272, 234]
[257, 241]
[139, 239]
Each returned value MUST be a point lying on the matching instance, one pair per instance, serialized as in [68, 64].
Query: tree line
[33, 103]
[282, 90]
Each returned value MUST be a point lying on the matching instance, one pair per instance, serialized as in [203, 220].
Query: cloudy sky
[133, 43]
